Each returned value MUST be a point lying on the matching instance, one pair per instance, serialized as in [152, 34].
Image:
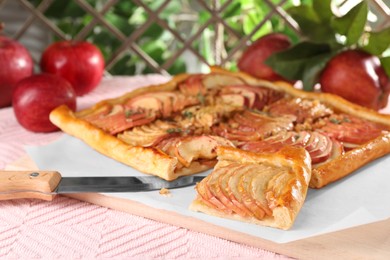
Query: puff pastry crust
[264, 189]
[174, 129]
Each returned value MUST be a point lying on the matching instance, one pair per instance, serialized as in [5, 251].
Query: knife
[46, 184]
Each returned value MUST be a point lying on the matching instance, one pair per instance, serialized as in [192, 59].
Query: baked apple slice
[267, 189]
[253, 126]
[304, 109]
[193, 85]
[253, 97]
[149, 134]
[350, 130]
[117, 118]
[190, 148]
[317, 144]
[162, 103]
[212, 81]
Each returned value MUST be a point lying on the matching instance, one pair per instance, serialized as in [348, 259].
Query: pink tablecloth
[67, 228]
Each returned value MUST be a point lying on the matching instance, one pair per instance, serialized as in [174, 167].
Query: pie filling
[218, 110]
[210, 113]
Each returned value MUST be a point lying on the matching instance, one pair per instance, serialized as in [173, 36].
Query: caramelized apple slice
[261, 122]
[218, 185]
[243, 187]
[267, 189]
[119, 119]
[150, 134]
[319, 147]
[252, 126]
[216, 80]
[193, 147]
[349, 129]
[213, 191]
[162, 103]
[248, 97]
[236, 206]
[255, 97]
[258, 186]
[146, 102]
[190, 148]
[285, 137]
[276, 195]
[336, 151]
[193, 86]
[204, 194]
[261, 146]
[303, 109]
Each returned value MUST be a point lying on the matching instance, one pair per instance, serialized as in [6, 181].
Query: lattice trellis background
[163, 36]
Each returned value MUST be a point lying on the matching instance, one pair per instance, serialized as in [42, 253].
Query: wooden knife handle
[28, 184]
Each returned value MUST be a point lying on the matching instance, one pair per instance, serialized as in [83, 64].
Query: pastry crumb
[165, 192]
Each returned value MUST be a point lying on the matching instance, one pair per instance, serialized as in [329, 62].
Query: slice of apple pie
[267, 189]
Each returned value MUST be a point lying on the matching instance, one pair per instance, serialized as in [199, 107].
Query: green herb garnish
[129, 113]
[335, 121]
[188, 114]
[174, 130]
[346, 120]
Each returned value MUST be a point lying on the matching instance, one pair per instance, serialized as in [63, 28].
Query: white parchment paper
[361, 198]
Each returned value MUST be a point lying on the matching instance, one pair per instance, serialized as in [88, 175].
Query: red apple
[80, 63]
[252, 60]
[358, 77]
[15, 64]
[36, 96]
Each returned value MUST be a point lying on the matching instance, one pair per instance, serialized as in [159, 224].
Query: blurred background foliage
[192, 29]
[184, 16]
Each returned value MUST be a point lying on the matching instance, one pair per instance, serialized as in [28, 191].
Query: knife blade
[46, 184]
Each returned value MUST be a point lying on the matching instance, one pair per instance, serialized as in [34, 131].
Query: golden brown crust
[350, 161]
[167, 166]
[147, 160]
[284, 216]
[295, 160]
[336, 102]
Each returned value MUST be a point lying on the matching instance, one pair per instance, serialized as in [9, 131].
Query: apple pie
[263, 188]
[178, 128]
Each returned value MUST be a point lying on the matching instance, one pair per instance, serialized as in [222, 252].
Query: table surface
[68, 228]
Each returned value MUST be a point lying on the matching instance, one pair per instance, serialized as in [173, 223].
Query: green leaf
[63, 9]
[232, 10]
[352, 24]
[385, 62]
[313, 69]
[124, 8]
[178, 67]
[154, 48]
[323, 10]
[291, 63]
[138, 16]
[153, 32]
[119, 22]
[203, 17]
[378, 42]
[311, 24]
[304, 14]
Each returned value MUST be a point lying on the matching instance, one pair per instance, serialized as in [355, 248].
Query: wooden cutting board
[370, 241]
